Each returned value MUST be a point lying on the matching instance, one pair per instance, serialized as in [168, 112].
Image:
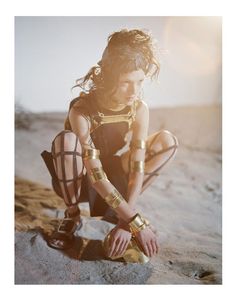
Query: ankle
[73, 211]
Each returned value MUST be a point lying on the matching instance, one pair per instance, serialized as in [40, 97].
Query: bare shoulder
[79, 121]
[142, 112]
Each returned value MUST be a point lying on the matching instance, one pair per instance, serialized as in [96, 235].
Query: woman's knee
[168, 139]
[66, 141]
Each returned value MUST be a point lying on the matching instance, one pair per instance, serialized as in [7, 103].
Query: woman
[104, 155]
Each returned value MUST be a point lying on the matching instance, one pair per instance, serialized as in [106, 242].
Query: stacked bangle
[137, 166]
[137, 224]
[97, 174]
[90, 154]
[114, 199]
[138, 144]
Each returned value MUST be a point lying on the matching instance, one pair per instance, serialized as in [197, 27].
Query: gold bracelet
[137, 224]
[138, 144]
[114, 199]
[91, 154]
[137, 166]
[97, 174]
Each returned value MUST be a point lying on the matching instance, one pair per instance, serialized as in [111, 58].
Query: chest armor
[108, 129]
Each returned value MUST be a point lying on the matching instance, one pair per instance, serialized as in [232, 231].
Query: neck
[110, 106]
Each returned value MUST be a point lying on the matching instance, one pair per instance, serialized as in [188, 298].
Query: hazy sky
[52, 52]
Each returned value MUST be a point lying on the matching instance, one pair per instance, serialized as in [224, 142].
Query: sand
[183, 204]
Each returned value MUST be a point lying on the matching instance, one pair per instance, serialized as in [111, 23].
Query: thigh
[161, 148]
[67, 154]
[152, 140]
[156, 143]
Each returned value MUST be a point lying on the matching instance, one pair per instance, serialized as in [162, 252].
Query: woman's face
[129, 86]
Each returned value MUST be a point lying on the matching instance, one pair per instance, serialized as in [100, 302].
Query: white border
[100, 295]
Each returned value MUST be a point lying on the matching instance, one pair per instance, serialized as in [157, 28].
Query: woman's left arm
[121, 233]
[137, 154]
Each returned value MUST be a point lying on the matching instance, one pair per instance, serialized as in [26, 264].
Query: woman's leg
[161, 148]
[68, 164]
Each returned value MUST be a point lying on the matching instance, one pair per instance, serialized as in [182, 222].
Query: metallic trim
[101, 119]
[90, 154]
[97, 174]
[138, 144]
[137, 166]
[138, 223]
[114, 199]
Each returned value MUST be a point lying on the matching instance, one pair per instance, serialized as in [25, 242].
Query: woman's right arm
[81, 127]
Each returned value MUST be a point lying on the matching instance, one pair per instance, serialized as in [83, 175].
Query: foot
[73, 212]
[63, 237]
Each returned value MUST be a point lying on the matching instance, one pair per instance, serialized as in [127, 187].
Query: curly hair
[126, 51]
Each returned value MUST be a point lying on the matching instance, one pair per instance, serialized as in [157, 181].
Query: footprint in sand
[196, 271]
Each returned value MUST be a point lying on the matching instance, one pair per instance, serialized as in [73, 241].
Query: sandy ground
[184, 204]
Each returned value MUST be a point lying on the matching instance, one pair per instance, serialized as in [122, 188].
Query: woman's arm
[147, 239]
[140, 132]
[81, 127]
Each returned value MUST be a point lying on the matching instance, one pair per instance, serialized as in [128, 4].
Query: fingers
[112, 247]
[149, 249]
[125, 247]
[157, 245]
[119, 240]
[120, 247]
[154, 247]
[148, 243]
[117, 247]
[144, 247]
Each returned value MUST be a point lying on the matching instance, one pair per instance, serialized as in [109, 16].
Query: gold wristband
[114, 199]
[97, 174]
[91, 154]
[137, 166]
[138, 223]
[138, 144]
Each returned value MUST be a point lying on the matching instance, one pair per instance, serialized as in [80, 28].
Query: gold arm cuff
[91, 154]
[137, 166]
[138, 223]
[97, 174]
[138, 144]
[114, 199]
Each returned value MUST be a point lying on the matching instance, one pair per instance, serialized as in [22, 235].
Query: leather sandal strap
[76, 177]
[155, 172]
[72, 215]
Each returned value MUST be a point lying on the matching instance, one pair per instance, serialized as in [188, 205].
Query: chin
[129, 100]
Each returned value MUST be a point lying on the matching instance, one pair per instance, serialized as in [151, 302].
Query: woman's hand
[119, 239]
[148, 242]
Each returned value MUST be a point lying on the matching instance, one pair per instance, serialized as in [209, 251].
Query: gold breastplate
[101, 119]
